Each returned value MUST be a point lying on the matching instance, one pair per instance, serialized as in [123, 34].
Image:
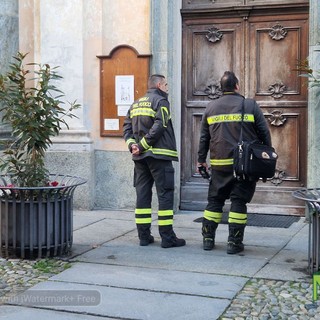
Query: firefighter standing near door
[149, 134]
[220, 132]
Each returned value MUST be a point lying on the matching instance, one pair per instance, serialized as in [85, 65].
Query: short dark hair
[154, 80]
[228, 81]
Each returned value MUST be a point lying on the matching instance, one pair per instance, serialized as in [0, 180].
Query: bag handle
[242, 116]
[240, 143]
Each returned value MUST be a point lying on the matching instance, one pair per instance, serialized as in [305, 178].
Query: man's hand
[202, 168]
[135, 150]
[203, 164]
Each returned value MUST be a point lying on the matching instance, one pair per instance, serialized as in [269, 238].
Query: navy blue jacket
[220, 129]
[148, 124]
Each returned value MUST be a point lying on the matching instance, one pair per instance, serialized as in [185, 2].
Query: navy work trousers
[151, 171]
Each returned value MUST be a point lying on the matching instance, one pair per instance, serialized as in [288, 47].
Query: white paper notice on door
[111, 124]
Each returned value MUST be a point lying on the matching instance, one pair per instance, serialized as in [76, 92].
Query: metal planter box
[37, 222]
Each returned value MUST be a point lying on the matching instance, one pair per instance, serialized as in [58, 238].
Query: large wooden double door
[262, 46]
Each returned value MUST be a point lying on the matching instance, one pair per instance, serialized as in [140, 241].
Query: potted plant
[35, 207]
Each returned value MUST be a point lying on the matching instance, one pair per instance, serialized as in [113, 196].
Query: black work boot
[169, 238]
[208, 232]
[144, 234]
[236, 233]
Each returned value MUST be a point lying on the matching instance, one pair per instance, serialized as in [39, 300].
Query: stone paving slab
[205, 262]
[285, 272]
[78, 249]
[153, 279]
[139, 304]
[254, 236]
[83, 219]
[292, 258]
[266, 249]
[25, 313]
[125, 253]
[101, 231]
[300, 240]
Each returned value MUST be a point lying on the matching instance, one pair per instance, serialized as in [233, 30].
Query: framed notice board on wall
[123, 78]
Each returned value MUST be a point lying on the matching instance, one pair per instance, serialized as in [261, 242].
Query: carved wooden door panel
[263, 51]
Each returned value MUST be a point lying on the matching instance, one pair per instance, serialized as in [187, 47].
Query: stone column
[51, 32]
[314, 99]
[9, 42]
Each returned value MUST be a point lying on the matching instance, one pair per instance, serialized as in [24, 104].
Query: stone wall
[9, 26]
[313, 98]
[9, 40]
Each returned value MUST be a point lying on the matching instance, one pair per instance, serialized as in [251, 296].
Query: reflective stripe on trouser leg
[165, 217]
[213, 216]
[238, 218]
[143, 216]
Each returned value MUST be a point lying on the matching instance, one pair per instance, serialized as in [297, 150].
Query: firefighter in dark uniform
[220, 132]
[149, 134]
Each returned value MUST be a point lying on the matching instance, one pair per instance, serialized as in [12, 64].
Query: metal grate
[264, 220]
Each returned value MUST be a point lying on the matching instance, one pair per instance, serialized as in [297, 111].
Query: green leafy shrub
[31, 105]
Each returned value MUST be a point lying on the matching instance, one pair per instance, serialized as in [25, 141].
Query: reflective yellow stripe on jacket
[233, 117]
[220, 118]
[164, 152]
[144, 143]
[165, 116]
[221, 162]
[131, 140]
[142, 112]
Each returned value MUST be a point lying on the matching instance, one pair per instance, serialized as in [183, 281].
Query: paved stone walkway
[267, 281]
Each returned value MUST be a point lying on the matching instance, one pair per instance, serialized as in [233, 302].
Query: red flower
[54, 183]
